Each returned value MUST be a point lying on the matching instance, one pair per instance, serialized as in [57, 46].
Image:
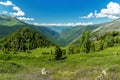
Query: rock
[44, 71]
[104, 72]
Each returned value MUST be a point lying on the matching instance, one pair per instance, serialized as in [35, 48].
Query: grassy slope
[73, 33]
[9, 21]
[74, 67]
[108, 27]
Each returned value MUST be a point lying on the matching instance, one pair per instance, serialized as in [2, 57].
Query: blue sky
[62, 12]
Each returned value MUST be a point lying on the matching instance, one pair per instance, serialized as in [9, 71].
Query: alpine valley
[83, 52]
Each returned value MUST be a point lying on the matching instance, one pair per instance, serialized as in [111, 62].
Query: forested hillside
[87, 43]
[22, 40]
[8, 25]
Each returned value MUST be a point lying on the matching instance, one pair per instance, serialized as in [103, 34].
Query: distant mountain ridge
[59, 29]
[59, 35]
[8, 25]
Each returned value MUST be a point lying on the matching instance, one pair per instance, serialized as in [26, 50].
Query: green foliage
[83, 45]
[88, 43]
[99, 45]
[92, 46]
[73, 33]
[58, 53]
[85, 42]
[107, 40]
[23, 40]
[70, 50]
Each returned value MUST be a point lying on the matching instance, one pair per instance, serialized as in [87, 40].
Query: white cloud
[25, 19]
[113, 8]
[112, 11]
[90, 15]
[7, 3]
[17, 11]
[16, 8]
[63, 24]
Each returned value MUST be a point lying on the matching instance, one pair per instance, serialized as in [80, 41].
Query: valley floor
[103, 65]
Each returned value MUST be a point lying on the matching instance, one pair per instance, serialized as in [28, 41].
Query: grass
[28, 66]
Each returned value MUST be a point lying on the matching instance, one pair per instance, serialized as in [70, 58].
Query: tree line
[87, 43]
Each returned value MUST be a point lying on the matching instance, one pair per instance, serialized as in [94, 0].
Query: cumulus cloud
[64, 24]
[7, 3]
[25, 19]
[17, 11]
[16, 8]
[112, 11]
[113, 8]
[90, 15]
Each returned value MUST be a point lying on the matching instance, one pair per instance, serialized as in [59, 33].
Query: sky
[62, 12]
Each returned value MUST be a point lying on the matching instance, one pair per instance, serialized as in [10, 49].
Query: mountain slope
[108, 27]
[46, 32]
[6, 30]
[58, 29]
[22, 40]
[63, 37]
[73, 33]
[9, 21]
[101, 29]
[8, 25]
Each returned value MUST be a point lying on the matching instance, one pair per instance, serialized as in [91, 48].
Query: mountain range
[58, 35]
[9, 25]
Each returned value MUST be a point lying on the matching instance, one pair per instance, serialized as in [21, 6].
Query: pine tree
[58, 53]
[92, 46]
[99, 45]
[108, 42]
[70, 50]
[85, 42]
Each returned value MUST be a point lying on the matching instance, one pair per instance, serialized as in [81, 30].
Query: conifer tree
[85, 42]
[58, 53]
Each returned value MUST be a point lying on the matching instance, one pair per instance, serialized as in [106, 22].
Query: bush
[58, 53]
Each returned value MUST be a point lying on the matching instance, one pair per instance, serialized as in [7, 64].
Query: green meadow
[28, 65]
